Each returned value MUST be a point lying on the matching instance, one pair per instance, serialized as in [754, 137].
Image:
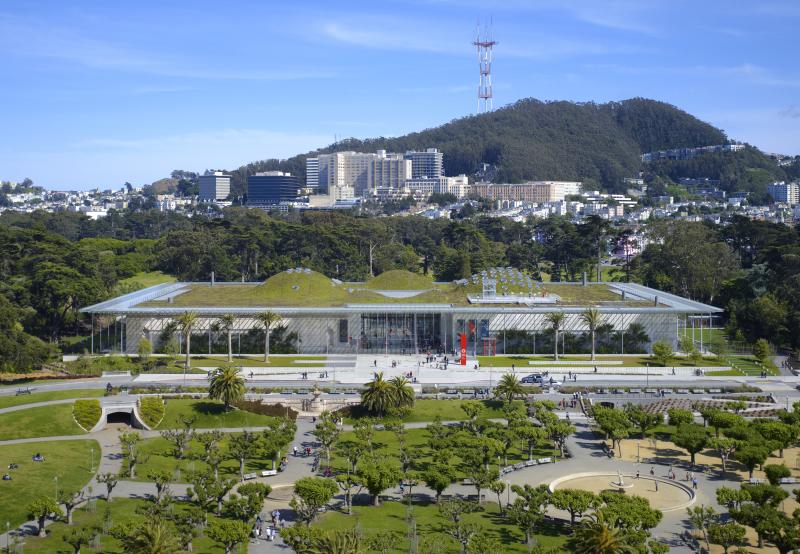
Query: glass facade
[400, 333]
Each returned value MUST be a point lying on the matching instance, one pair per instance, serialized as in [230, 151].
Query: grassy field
[44, 421]
[208, 413]
[145, 279]
[521, 361]
[274, 361]
[121, 510]
[9, 401]
[70, 461]
[428, 409]
[391, 517]
[158, 456]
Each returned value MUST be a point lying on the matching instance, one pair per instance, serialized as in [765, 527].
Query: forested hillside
[531, 139]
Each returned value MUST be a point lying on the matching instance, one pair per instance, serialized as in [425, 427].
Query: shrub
[151, 408]
[86, 413]
[274, 410]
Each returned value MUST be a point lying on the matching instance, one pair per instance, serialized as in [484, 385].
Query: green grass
[44, 421]
[521, 361]
[87, 413]
[122, 510]
[725, 373]
[428, 409]
[10, 401]
[399, 279]
[70, 461]
[391, 516]
[146, 279]
[158, 457]
[274, 361]
[209, 414]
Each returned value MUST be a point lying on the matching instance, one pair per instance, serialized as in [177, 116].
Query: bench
[682, 391]
[269, 472]
[788, 480]
[249, 476]
[698, 391]
[23, 391]
[714, 391]
[755, 481]
[351, 391]
[530, 463]
[635, 391]
[545, 460]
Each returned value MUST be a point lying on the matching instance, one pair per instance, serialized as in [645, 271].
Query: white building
[425, 164]
[785, 193]
[312, 172]
[214, 186]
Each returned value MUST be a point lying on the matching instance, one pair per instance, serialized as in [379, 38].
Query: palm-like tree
[378, 396]
[592, 318]
[597, 536]
[402, 393]
[556, 320]
[226, 385]
[508, 387]
[339, 542]
[186, 321]
[267, 320]
[226, 325]
[151, 537]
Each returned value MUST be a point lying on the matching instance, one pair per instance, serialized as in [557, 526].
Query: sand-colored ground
[664, 498]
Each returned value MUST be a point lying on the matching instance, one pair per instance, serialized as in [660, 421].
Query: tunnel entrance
[120, 417]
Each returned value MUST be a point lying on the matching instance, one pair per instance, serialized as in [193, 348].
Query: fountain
[620, 483]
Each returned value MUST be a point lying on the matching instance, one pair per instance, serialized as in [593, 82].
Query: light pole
[56, 480]
[8, 535]
[92, 458]
[638, 457]
[508, 493]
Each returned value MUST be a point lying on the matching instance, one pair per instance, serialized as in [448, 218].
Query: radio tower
[484, 42]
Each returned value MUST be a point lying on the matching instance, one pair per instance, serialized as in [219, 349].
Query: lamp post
[8, 535]
[508, 493]
[92, 459]
[56, 480]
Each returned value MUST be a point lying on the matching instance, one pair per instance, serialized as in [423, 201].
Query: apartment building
[214, 186]
[534, 192]
[784, 193]
[425, 164]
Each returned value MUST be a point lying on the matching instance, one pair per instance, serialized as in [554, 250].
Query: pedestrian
[652, 471]
[294, 449]
[694, 483]
[656, 482]
[637, 473]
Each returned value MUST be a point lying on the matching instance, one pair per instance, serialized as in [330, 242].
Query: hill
[531, 139]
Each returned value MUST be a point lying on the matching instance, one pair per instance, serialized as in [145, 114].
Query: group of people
[272, 530]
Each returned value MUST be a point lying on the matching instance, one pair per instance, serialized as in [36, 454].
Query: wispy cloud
[792, 112]
[746, 72]
[34, 39]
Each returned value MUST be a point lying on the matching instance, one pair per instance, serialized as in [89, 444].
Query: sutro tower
[484, 43]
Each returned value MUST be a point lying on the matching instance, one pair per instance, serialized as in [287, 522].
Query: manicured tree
[228, 533]
[776, 472]
[528, 509]
[752, 455]
[110, 481]
[531, 435]
[701, 517]
[761, 350]
[726, 535]
[267, 320]
[481, 478]
[241, 447]
[614, 424]
[69, 500]
[678, 417]
[453, 511]
[129, 441]
[598, 535]
[311, 494]
[725, 447]
[498, 487]
[78, 537]
[210, 451]
[402, 393]
[378, 474]
[508, 387]
[779, 433]
[42, 508]
[186, 322]
[180, 438]
[279, 432]
[350, 485]
[378, 395]
[642, 419]
[249, 501]
[781, 531]
[630, 512]
[438, 477]
[226, 322]
[592, 318]
[662, 353]
[724, 420]
[326, 433]
[558, 432]
[692, 438]
[161, 478]
[732, 498]
[226, 384]
[556, 320]
[574, 501]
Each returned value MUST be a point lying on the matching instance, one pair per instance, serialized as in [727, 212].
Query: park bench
[698, 391]
[650, 391]
[249, 476]
[683, 391]
[714, 391]
[788, 480]
[635, 391]
[530, 463]
[269, 472]
[351, 391]
[545, 460]
[23, 391]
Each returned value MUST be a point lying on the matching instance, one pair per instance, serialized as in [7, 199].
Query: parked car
[532, 379]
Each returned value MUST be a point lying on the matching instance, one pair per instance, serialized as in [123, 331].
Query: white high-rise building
[427, 164]
[785, 193]
[363, 172]
[214, 186]
[312, 172]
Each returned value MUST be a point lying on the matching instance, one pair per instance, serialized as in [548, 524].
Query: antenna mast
[484, 42]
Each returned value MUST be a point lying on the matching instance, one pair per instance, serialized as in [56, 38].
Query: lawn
[44, 421]
[521, 361]
[145, 279]
[10, 401]
[428, 409]
[121, 510]
[208, 415]
[158, 457]
[392, 517]
[70, 461]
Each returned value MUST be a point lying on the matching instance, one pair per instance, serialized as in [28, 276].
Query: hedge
[151, 408]
[274, 410]
[86, 413]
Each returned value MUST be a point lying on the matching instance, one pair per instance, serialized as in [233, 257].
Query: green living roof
[313, 289]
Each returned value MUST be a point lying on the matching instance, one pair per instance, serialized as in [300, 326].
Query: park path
[39, 404]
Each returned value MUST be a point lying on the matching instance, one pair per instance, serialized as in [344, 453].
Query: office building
[387, 171]
[270, 188]
[214, 186]
[364, 172]
[784, 193]
[535, 192]
[423, 187]
[312, 173]
[427, 164]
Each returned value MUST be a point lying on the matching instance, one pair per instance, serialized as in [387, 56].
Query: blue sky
[99, 93]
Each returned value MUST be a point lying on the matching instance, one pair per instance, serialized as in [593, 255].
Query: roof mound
[399, 279]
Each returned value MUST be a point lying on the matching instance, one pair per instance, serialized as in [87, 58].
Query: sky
[99, 93]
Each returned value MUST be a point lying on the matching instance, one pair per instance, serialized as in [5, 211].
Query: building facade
[535, 192]
[312, 173]
[214, 186]
[270, 188]
[785, 193]
[426, 164]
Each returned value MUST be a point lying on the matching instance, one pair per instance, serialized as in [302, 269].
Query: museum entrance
[400, 333]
